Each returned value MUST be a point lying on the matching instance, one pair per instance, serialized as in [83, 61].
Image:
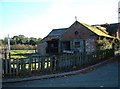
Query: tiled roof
[57, 32]
[97, 31]
[50, 38]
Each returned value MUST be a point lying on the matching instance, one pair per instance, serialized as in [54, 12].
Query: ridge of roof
[60, 29]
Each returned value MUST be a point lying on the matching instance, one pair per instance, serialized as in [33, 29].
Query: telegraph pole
[8, 46]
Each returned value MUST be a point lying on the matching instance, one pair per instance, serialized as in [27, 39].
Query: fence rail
[50, 64]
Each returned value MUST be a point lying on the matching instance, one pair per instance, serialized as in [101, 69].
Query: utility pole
[8, 46]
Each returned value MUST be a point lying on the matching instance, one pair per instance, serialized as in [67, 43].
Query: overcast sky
[36, 18]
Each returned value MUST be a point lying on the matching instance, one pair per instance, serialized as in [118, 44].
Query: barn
[78, 38]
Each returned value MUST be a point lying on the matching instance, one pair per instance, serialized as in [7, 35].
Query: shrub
[104, 44]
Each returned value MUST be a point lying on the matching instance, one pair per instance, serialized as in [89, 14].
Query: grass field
[16, 54]
[20, 53]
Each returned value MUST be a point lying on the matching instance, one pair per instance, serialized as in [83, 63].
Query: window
[76, 32]
[77, 44]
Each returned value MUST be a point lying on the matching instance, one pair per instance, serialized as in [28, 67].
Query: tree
[1, 41]
[12, 41]
[21, 39]
[39, 39]
[33, 41]
[5, 41]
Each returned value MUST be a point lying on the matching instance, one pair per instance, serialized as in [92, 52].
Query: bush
[104, 44]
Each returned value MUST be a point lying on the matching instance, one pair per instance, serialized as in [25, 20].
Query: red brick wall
[83, 32]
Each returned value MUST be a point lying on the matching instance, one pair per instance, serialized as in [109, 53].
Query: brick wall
[77, 31]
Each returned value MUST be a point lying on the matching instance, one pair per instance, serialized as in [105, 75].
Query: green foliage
[21, 39]
[104, 44]
[21, 51]
[1, 41]
[5, 40]
[21, 42]
[25, 52]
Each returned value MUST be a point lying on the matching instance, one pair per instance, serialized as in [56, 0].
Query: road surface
[104, 76]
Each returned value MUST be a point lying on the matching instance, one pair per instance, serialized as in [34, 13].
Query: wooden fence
[3, 52]
[51, 64]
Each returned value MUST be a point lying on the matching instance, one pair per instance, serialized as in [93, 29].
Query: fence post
[22, 67]
[51, 64]
[13, 67]
[29, 70]
[48, 64]
[10, 66]
[57, 63]
[35, 64]
[39, 64]
[42, 64]
[6, 66]
[54, 63]
[3, 66]
[17, 66]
